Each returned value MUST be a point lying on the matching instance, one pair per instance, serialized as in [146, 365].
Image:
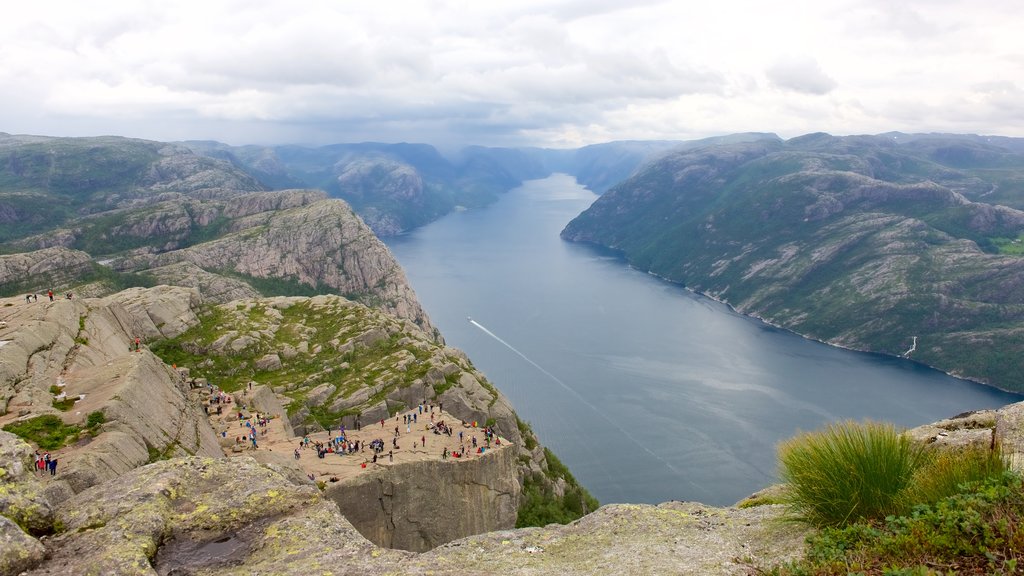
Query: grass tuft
[848, 472]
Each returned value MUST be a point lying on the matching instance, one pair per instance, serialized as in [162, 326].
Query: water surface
[646, 391]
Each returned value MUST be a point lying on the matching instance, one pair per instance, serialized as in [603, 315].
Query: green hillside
[863, 242]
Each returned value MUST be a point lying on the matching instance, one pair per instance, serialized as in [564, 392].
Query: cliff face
[420, 505]
[236, 517]
[323, 245]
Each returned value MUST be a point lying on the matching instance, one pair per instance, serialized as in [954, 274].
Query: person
[53, 467]
[50, 294]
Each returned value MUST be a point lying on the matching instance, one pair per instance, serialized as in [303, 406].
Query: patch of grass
[848, 472]
[529, 438]
[947, 471]
[65, 404]
[48, 431]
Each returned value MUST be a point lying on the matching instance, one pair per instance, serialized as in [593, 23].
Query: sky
[554, 73]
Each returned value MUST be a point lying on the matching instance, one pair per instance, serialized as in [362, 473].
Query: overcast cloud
[529, 72]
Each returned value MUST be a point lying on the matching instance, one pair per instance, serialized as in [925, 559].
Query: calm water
[648, 392]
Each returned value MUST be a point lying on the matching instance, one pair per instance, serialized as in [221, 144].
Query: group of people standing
[46, 463]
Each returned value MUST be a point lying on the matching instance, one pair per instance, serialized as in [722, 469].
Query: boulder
[18, 551]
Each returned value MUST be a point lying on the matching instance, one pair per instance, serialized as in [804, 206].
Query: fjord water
[646, 391]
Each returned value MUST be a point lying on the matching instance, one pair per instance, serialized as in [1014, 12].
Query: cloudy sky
[495, 72]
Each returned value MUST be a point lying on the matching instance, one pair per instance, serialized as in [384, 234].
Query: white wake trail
[578, 396]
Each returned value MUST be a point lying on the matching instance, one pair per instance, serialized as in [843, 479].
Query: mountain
[398, 187]
[601, 166]
[393, 187]
[866, 242]
[92, 216]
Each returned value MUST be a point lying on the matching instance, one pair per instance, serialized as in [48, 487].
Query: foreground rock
[217, 517]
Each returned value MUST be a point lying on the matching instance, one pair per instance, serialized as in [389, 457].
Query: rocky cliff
[422, 505]
[72, 361]
[137, 213]
[217, 517]
[322, 246]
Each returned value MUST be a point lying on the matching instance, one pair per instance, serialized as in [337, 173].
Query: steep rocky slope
[75, 381]
[71, 361]
[862, 242]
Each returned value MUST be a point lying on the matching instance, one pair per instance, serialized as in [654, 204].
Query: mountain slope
[860, 242]
[119, 212]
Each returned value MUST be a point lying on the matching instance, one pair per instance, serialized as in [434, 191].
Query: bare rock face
[400, 506]
[21, 494]
[322, 245]
[18, 550]
[189, 514]
[37, 270]
[215, 288]
[85, 349]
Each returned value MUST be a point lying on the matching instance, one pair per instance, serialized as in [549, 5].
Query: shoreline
[753, 315]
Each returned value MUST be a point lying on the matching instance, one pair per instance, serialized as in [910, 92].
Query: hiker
[50, 294]
[53, 467]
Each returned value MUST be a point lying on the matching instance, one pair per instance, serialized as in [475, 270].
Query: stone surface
[21, 493]
[83, 347]
[164, 516]
[18, 550]
[421, 505]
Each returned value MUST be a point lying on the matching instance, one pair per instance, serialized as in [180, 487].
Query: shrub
[95, 419]
[977, 531]
[848, 472]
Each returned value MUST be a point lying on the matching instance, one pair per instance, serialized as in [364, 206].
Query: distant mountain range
[868, 242]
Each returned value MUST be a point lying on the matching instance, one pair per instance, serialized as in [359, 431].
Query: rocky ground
[214, 516]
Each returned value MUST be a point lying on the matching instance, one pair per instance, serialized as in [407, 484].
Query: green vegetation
[1010, 246]
[540, 506]
[848, 472]
[48, 431]
[65, 404]
[852, 472]
[529, 439]
[976, 531]
[818, 233]
[339, 348]
[94, 420]
[888, 506]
